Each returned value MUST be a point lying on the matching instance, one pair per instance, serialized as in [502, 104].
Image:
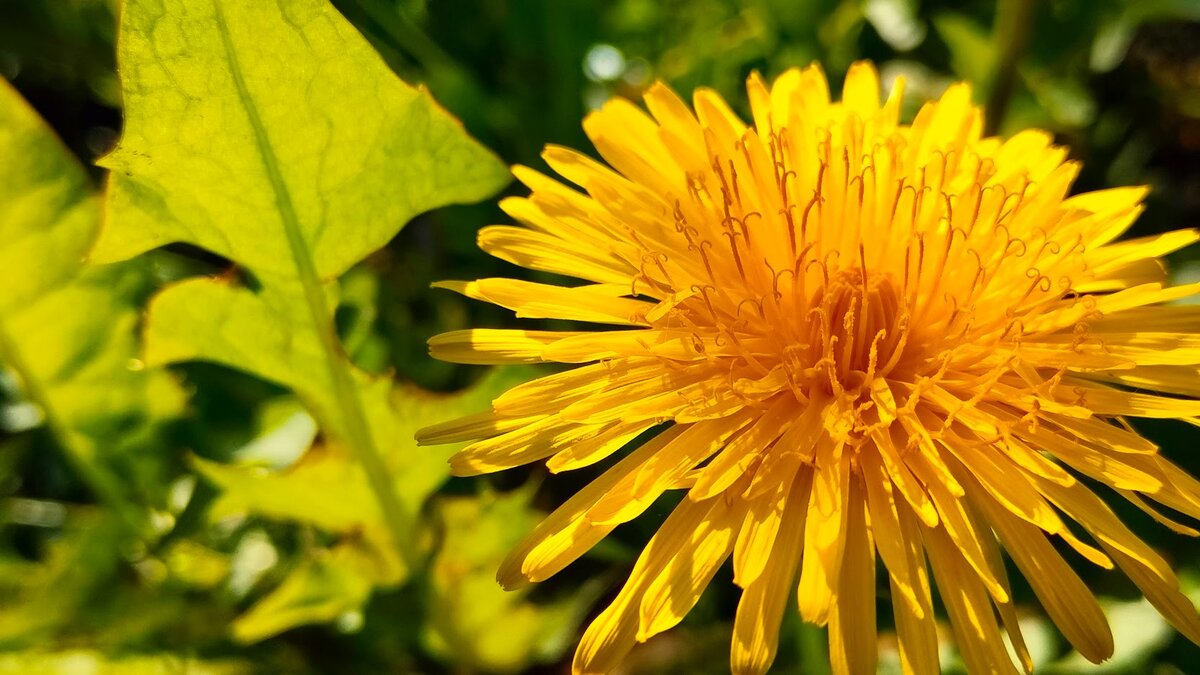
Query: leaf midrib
[345, 392]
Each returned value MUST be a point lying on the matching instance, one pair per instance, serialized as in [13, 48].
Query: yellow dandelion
[849, 337]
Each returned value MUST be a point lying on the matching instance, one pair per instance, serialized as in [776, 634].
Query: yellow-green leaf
[67, 330]
[54, 592]
[322, 588]
[48, 213]
[269, 131]
[92, 662]
[271, 134]
[475, 623]
[327, 490]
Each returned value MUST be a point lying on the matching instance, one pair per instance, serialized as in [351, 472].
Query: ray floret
[859, 342]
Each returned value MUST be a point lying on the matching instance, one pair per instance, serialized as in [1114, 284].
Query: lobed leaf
[68, 330]
[271, 134]
[474, 622]
[328, 490]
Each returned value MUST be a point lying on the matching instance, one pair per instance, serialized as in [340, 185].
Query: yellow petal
[970, 609]
[487, 424]
[995, 562]
[619, 126]
[657, 396]
[889, 539]
[612, 634]
[715, 115]
[760, 611]
[673, 115]
[677, 589]
[636, 491]
[530, 443]
[760, 531]
[598, 303]
[1180, 490]
[566, 534]
[553, 392]
[1162, 592]
[959, 530]
[493, 346]
[915, 630]
[737, 457]
[1085, 508]
[1005, 483]
[759, 95]
[1066, 598]
[824, 541]
[860, 94]
[597, 447]
[853, 645]
[906, 483]
[537, 251]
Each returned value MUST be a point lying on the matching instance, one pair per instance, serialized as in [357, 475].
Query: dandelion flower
[849, 339]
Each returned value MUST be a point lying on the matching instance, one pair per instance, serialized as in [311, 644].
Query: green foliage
[77, 369]
[206, 410]
[95, 663]
[475, 623]
[294, 162]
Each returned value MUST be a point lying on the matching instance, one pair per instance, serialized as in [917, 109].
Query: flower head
[851, 338]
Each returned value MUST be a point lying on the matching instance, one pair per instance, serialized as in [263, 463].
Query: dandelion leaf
[48, 212]
[68, 330]
[320, 589]
[270, 131]
[96, 662]
[271, 134]
[473, 621]
[328, 490]
[38, 600]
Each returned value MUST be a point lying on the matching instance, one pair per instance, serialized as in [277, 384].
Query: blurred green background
[224, 588]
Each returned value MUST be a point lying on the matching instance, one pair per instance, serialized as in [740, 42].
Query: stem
[345, 392]
[1014, 18]
[103, 484]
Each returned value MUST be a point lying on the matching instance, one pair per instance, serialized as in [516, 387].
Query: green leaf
[474, 622]
[328, 490]
[322, 588]
[77, 568]
[271, 134]
[325, 489]
[77, 366]
[972, 52]
[48, 214]
[92, 662]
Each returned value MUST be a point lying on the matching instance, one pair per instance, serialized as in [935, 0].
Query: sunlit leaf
[49, 595]
[972, 52]
[195, 565]
[327, 490]
[68, 330]
[77, 661]
[473, 621]
[48, 214]
[272, 135]
[323, 587]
